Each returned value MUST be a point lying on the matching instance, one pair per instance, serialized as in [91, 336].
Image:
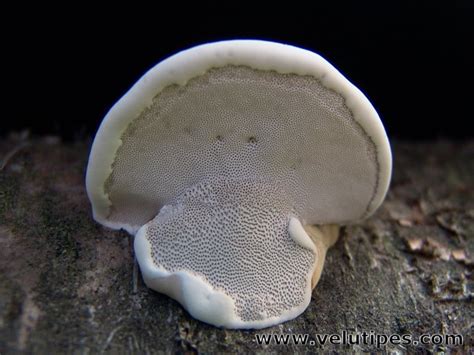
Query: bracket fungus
[233, 163]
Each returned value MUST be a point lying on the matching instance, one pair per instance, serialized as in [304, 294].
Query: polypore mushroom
[222, 159]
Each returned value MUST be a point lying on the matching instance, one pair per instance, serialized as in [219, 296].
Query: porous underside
[234, 235]
[239, 122]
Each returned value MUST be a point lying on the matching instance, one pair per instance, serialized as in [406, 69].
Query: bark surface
[68, 285]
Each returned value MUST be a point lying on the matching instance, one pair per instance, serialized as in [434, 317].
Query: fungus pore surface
[242, 123]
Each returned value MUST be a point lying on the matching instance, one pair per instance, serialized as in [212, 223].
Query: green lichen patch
[11, 300]
[9, 186]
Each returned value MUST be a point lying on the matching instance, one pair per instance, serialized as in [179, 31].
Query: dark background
[66, 66]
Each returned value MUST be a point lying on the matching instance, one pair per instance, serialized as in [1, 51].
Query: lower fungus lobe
[234, 234]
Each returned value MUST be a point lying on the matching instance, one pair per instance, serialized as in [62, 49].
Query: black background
[64, 67]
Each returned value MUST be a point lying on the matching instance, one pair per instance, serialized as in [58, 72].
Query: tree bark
[68, 285]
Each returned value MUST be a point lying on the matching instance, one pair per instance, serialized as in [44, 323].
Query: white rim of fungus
[188, 64]
[206, 303]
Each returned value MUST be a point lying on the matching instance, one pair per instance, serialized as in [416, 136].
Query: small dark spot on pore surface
[296, 164]
[219, 138]
[252, 139]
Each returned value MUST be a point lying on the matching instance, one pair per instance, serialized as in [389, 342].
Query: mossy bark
[68, 285]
